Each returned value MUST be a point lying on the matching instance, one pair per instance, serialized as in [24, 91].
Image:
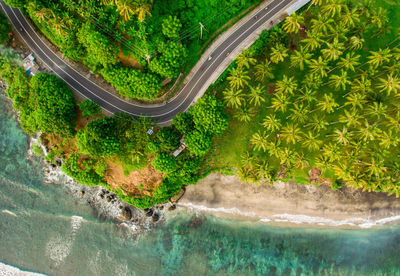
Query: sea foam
[8, 270]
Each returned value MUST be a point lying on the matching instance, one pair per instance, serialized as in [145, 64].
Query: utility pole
[148, 56]
[201, 30]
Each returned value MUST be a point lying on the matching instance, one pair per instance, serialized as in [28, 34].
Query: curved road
[110, 102]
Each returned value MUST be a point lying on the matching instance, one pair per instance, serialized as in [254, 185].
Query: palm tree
[233, 97]
[293, 23]
[256, 95]
[280, 102]
[334, 50]
[311, 141]
[317, 123]
[271, 123]
[264, 170]
[350, 118]
[312, 81]
[332, 150]
[291, 133]
[328, 103]
[125, 8]
[248, 160]
[245, 59]
[307, 95]
[238, 78]
[317, 2]
[368, 132]
[322, 25]
[387, 139]
[356, 43]
[333, 8]
[389, 84]
[263, 71]
[300, 58]
[375, 167]
[351, 18]
[107, 2]
[377, 58]
[377, 110]
[286, 156]
[299, 113]
[342, 136]
[362, 85]
[323, 162]
[244, 113]
[356, 100]
[339, 80]
[287, 85]
[349, 62]
[278, 53]
[312, 41]
[319, 66]
[142, 8]
[259, 140]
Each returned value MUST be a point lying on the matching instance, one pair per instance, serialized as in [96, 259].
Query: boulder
[126, 213]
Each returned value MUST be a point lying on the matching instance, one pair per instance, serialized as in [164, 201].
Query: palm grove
[326, 100]
[161, 37]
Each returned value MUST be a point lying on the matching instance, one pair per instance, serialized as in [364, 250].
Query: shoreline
[290, 204]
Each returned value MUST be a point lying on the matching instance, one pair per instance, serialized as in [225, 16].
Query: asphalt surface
[112, 103]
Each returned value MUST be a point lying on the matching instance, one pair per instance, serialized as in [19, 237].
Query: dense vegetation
[87, 145]
[133, 44]
[324, 92]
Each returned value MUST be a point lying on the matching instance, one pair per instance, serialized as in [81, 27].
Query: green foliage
[183, 122]
[16, 3]
[171, 27]
[209, 115]
[132, 84]
[98, 138]
[37, 150]
[198, 143]
[172, 58]
[89, 108]
[167, 139]
[5, 29]
[164, 163]
[53, 105]
[83, 174]
[101, 167]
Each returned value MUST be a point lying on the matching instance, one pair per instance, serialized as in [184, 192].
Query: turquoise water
[43, 228]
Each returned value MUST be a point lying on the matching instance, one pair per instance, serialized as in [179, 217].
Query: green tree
[198, 143]
[319, 66]
[98, 138]
[164, 163]
[89, 108]
[278, 53]
[378, 58]
[293, 23]
[245, 59]
[389, 84]
[339, 81]
[233, 97]
[244, 113]
[171, 26]
[271, 123]
[5, 29]
[53, 105]
[183, 122]
[328, 103]
[238, 78]
[291, 133]
[287, 85]
[256, 95]
[263, 71]
[209, 115]
[300, 58]
[259, 140]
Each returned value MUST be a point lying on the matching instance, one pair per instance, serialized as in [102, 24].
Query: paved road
[110, 102]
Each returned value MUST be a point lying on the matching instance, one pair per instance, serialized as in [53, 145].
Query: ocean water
[45, 229]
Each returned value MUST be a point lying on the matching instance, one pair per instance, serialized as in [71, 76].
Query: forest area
[316, 100]
[135, 45]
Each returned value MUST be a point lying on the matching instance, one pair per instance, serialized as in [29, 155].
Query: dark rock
[161, 207]
[156, 217]
[149, 212]
[126, 213]
[83, 192]
[172, 207]
[102, 195]
[109, 198]
[120, 206]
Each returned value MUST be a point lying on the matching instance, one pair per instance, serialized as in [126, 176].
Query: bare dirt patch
[129, 61]
[141, 182]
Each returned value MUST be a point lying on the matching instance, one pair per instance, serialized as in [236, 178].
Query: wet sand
[289, 202]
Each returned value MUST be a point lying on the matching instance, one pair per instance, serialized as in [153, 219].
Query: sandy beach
[289, 202]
